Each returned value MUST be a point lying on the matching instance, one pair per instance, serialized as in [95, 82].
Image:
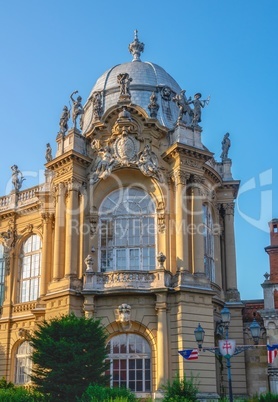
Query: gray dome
[146, 78]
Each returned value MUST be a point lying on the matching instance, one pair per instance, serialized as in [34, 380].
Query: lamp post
[228, 347]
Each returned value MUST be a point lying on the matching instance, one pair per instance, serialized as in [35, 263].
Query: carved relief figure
[124, 313]
[17, 178]
[64, 120]
[148, 165]
[226, 143]
[77, 109]
[48, 153]
[183, 104]
[97, 107]
[153, 106]
[7, 238]
[166, 93]
[104, 164]
[124, 80]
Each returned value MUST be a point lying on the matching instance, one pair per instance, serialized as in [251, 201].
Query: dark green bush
[268, 397]
[20, 394]
[4, 384]
[180, 390]
[97, 393]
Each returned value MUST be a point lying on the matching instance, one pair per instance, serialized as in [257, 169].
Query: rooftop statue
[17, 178]
[198, 104]
[183, 105]
[124, 80]
[226, 143]
[64, 120]
[48, 153]
[77, 109]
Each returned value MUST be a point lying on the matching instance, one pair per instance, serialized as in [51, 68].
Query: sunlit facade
[134, 225]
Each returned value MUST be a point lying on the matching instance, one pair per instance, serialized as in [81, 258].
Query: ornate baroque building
[134, 224]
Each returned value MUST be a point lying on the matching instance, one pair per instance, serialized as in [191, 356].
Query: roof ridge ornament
[136, 47]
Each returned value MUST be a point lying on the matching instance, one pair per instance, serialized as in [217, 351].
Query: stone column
[162, 340]
[230, 253]
[72, 230]
[84, 232]
[46, 251]
[181, 208]
[197, 237]
[59, 233]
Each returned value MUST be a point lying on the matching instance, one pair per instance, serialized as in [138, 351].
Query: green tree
[69, 354]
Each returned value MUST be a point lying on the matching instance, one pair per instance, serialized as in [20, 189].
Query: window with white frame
[23, 363]
[2, 274]
[30, 269]
[208, 243]
[130, 362]
[127, 231]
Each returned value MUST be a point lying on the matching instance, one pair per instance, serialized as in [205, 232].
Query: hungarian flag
[272, 352]
[189, 354]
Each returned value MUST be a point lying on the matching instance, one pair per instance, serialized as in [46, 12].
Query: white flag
[227, 347]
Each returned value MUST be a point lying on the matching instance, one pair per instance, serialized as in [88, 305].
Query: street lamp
[199, 336]
[227, 347]
[255, 330]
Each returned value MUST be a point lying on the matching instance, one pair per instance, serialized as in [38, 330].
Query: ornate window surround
[30, 269]
[127, 231]
[23, 363]
[130, 362]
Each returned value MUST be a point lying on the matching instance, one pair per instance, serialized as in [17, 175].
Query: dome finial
[136, 47]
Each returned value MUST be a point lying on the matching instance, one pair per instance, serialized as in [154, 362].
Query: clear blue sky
[226, 49]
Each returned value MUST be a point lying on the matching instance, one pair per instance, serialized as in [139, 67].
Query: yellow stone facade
[192, 196]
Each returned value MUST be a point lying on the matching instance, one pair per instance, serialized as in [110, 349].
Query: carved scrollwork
[93, 224]
[180, 177]
[97, 104]
[24, 333]
[229, 208]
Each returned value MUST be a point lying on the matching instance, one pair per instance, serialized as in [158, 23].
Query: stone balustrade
[14, 200]
[141, 280]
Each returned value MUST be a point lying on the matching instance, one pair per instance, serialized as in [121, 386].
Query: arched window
[208, 243]
[23, 363]
[130, 362]
[127, 231]
[2, 274]
[30, 269]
